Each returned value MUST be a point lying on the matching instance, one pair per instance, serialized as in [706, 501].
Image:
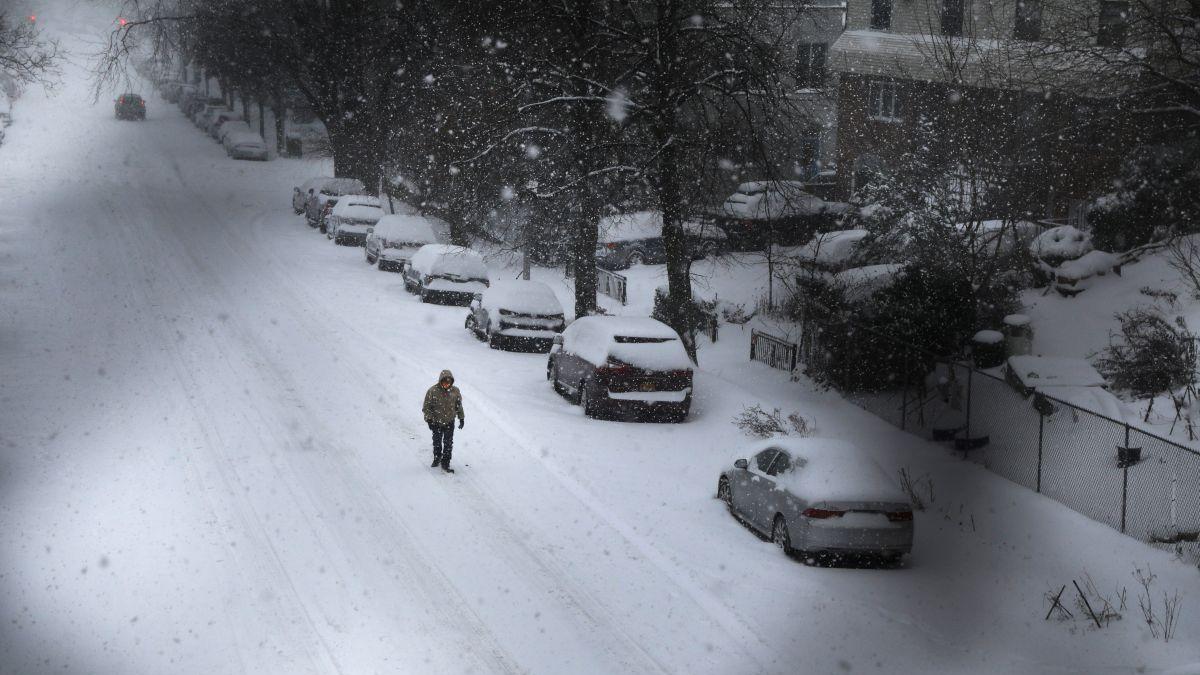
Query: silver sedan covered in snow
[825, 500]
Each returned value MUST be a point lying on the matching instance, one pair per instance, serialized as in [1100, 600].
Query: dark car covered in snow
[631, 368]
[517, 313]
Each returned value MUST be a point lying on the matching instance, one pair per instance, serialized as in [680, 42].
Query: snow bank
[405, 229]
[833, 471]
[1064, 242]
[641, 342]
[523, 297]
[450, 261]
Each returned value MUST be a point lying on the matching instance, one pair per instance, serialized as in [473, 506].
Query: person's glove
[461, 422]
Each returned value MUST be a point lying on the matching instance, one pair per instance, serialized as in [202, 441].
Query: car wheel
[472, 325]
[424, 295]
[779, 535]
[725, 493]
[494, 340]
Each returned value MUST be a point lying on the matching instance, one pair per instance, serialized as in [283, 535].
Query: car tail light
[822, 513]
[900, 516]
[614, 367]
[612, 246]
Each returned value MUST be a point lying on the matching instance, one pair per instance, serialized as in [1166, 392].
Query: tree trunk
[262, 120]
[280, 119]
[666, 180]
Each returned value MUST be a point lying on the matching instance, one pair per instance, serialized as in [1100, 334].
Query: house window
[1114, 22]
[952, 17]
[883, 101]
[881, 14]
[810, 66]
[1028, 25]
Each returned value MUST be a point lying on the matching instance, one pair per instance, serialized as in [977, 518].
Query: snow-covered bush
[1059, 244]
[758, 422]
[1150, 356]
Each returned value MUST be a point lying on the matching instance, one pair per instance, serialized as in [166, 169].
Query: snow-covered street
[213, 460]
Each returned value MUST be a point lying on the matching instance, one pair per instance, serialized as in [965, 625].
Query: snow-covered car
[230, 127]
[204, 111]
[449, 275]
[629, 367]
[828, 251]
[775, 211]
[822, 499]
[351, 219]
[521, 313]
[395, 238]
[130, 107]
[1068, 379]
[325, 197]
[246, 145]
[212, 124]
[636, 238]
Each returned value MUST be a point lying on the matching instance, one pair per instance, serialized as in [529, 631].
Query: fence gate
[773, 351]
[612, 284]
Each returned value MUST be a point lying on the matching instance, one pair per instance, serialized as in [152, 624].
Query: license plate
[648, 386]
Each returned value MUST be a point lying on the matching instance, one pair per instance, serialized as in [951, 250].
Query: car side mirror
[558, 340]
[741, 464]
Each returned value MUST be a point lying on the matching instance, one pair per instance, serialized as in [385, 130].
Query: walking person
[443, 402]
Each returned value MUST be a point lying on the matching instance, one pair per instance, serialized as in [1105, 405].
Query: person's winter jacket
[443, 404]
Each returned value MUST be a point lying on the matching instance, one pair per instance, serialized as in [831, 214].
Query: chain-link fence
[1111, 471]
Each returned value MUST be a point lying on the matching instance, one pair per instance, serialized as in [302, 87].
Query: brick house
[965, 83]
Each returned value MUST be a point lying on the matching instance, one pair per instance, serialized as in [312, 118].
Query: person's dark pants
[443, 443]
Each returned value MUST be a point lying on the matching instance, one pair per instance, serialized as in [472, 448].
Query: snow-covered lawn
[212, 460]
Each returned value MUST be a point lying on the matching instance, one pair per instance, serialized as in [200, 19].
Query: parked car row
[823, 501]
[225, 126]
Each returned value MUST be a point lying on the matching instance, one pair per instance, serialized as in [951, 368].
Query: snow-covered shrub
[1059, 244]
[758, 422]
[1156, 195]
[1150, 356]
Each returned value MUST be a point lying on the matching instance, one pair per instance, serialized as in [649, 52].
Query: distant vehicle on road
[822, 499]
[636, 239]
[394, 240]
[449, 275]
[630, 367]
[130, 107]
[517, 313]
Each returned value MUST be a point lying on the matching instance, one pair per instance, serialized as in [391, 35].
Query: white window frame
[883, 102]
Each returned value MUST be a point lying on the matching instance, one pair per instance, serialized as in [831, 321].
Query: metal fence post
[1125, 483]
[753, 340]
[970, 373]
[1041, 436]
